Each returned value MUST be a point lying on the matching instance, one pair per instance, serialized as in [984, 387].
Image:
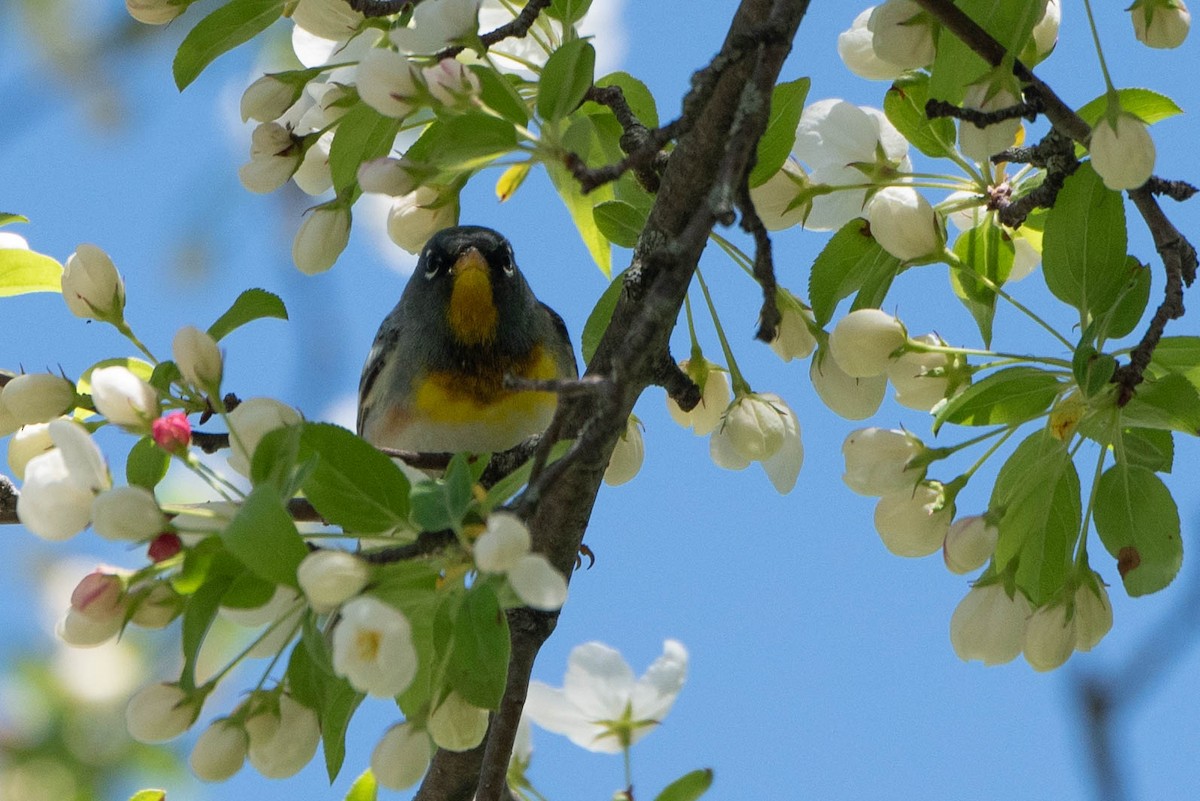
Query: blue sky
[821, 664]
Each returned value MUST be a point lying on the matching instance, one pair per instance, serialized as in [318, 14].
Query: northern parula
[434, 379]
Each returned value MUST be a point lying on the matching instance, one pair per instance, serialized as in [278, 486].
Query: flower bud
[1044, 37]
[28, 442]
[760, 427]
[79, 452]
[313, 176]
[989, 625]
[904, 224]
[172, 432]
[127, 513]
[1122, 153]
[457, 725]
[160, 712]
[124, 398]
[328, 19]
[54, 504]
[268, 98]
[415, 217]
[1049, 637]
[38, 397]
[156, 12]
[8, 423]
[857, 50]
[198, 358]
[321, 239]
[774, 197]
[274, 156]
[252, 420]
[98, 596]
[155, 604]
[329, 578]
[388, 83]
[793, 340]
[387, 176]
[450, 82]
[863, 342]
[902, 34]
[504, 542]
[80, 631]
[1093, 614]
[1161, 23]
[921, 378]
[980, 144]
[220, 751]
[92, 287]
[970, 542]
[627, 456]
[401, 757]
[715, 396]
[292, 745]
[850, 397]
[914, 522]
[877, 461]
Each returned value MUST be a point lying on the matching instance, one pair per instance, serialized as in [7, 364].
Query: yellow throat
[472, 314]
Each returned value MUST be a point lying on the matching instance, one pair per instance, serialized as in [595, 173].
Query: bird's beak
[470, 260]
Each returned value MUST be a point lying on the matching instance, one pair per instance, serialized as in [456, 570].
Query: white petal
[537, 583]
[599, 681]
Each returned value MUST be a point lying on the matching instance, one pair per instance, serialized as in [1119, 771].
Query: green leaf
[1131, 305]
[275, 460]
[468, 141]
[1138, 522]
[904, 105]
[986, 253]
[352, 484]
[23, 271]
[234, 23]
[264, 537]
[1083, 250]
[303, 677]
[787, 104]
[1149, 105]
[581, 208]
[198, 616]
[142, 369]
[1012, 395]
[146, 464]
[247, 591]
[338, 702]
[163, 374]
[498, 94]
[1093, 370]
[601, 315]
[253, 304]
[508, 486]
[1151, 448]
[478, 665]
[362, 134]
[956, 66]
[637, 96]
[1178, 355]
[149, 795]
[1169, 402]
[8, 219]
[565, 79]
[849, 262]
[442, 504]
[687, 787]
[568, 12]
[364, 788]
[620, 222]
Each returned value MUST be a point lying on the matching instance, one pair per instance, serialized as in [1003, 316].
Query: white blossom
[274, 156]
[160, 712]
[456, 725]
[1044, 37]
[902, 34]
[760, 427]
[914, 375]
[401, 756]
[331, 577]
[321, 239]
[91, 285]
[129, 513]
[914, 522]
[878, 461]
[415, 217]
[1049, 637]
[627, 456]
[980, 144]
[198, 358]
[504, 548]
[601, 706]
[156, 12]
[904, 224]
[850, 397]
[450, 82]
[1161, 23]
[267, 99]
[989, 625]
[388, 82]
[124, 398]
[252, 420]
[856, 47]
[37, 397]
[793, 339]
[56, 498]
[8, 423]
[774, 197]
[436, 24]
[373, 647]
[29, 441]
[220, 751]
[1122, 152]
[328, 19]
[387, 176]
[313, 176]
[864, 342]
[970, 542]
[291, 744]
[714, 398]
[1093, 614]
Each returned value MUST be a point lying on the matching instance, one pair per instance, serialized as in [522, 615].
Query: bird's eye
[431, 269]
[510, 262]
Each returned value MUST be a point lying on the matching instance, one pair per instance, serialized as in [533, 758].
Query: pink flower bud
[172, 432]
[164, 546]
[98, 595]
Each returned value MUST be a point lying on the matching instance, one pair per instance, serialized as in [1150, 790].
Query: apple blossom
[969, 543]
[274, 155]
[450, 82]
[388, 82]
[1160, 23]
[331, 577]
[156, 12]
[1122, 151]
[856, 48]
[879, 461]
[1093, 613]
[38, 397]
[220, 751]
[79, 630]
[844, 145]
[387, 176]
[198, 358]
[8, 423]
[457, 725]
[980, 144]
[504, 548]
[1044, 37]
[268, 98]
[1049, 637]
[437, 24]
[155, 604]
[124, 398]
[328, 19]
[92, 287]
[627, 456]
[923, 378]
[252, 420]
[172, 432]
[989, 624]
[850, 397]
[864, 342]
[904, 224]
[914, 522]
[420, 214]
[760, 427]
[56, 498]
[793, 339]
[773, 199]
[160, 712]
[11, 241]
[714, 397]
[373, 647]
[401, 756]
[127, 513]
[97, 610]
[313, 176]
[601, 707]
[902, 34]
[294, 733]
[29, 441]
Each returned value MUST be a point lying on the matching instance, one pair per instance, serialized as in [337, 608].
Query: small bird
[434, 379]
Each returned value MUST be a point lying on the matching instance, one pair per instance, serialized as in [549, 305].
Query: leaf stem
[740, 385]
